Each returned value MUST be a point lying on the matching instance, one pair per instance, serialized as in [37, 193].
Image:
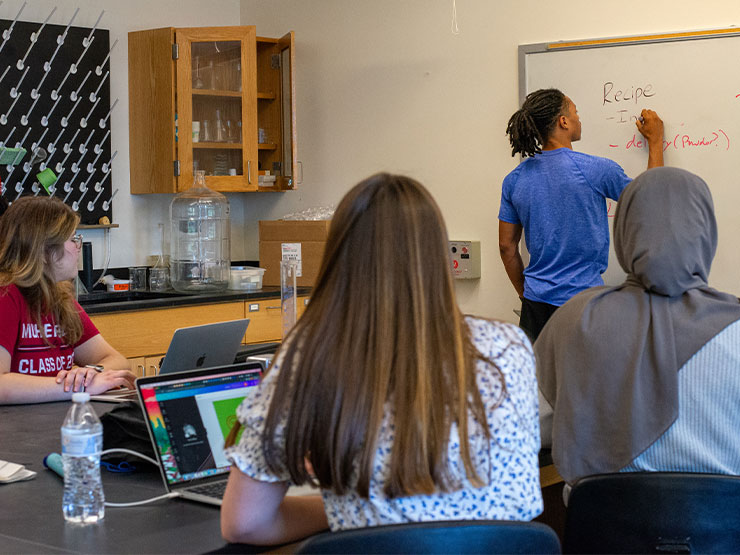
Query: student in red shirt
[49, 347]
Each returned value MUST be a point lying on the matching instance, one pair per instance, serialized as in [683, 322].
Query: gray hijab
[608, 359]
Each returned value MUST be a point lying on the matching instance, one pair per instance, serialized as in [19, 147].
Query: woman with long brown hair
[48, 345]
[384, 395]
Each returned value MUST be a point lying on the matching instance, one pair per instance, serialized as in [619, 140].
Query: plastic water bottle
[82, 442]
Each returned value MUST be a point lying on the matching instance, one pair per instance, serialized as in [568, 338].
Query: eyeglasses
[77, 240]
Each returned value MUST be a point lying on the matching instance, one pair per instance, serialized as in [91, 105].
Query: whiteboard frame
[543, 47]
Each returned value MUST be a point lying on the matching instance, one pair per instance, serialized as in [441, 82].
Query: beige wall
[386, 85]
[381, 85]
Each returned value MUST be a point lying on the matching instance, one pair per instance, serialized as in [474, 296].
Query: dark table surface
[31, 518]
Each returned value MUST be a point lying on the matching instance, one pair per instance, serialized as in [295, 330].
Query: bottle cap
[80, 397]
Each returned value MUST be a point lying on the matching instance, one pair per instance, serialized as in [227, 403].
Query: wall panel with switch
[465, 259]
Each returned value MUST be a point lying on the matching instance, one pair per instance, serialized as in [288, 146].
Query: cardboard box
[300, 239]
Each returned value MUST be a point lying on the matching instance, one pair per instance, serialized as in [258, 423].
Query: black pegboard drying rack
[55, 97]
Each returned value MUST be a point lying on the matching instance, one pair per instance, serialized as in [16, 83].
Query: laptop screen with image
[191, 413]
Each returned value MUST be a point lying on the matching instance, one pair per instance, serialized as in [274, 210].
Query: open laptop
[204, 346]
[194, 347]
[188, 415]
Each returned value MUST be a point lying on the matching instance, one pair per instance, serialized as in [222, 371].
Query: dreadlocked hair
[530, 126]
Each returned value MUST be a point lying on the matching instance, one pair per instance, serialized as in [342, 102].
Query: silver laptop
[189, 415]
[204, 346]
[265, 359]
[194, 347]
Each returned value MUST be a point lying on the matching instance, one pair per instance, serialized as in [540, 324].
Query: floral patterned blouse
[508, 462]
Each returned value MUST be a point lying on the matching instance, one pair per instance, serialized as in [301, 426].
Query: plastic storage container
[246, 278]
[82, 441]
[117, 285]
[200, 245]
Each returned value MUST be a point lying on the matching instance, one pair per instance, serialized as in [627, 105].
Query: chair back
[460, 536]
[654, 512]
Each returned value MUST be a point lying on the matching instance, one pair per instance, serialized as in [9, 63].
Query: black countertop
[104, 302]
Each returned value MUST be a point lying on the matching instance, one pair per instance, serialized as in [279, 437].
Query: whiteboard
[692, 80]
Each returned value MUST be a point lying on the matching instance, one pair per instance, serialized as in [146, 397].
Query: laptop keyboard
[128, 394]
[214, 489]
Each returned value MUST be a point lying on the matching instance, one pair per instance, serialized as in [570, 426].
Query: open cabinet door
[286, 48]
[151, 108]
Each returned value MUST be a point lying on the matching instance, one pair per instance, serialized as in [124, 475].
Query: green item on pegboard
[11, 156]
[47, 178]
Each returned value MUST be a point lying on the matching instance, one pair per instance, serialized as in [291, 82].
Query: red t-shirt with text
[29, 352]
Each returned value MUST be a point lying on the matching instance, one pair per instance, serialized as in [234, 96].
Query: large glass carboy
[200, 243]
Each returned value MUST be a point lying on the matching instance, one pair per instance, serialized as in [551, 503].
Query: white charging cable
[130, 452]
[143, 501]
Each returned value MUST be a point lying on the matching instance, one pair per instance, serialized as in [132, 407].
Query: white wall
[381, 85]
[386, 85]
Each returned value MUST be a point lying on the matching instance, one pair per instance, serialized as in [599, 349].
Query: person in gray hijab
[644, 375]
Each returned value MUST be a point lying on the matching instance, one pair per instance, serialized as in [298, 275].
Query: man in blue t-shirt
[557, 197]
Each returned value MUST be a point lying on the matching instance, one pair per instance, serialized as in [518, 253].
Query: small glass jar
[137, 276]
[159, 278]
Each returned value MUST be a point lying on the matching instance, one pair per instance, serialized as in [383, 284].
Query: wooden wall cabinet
[239, 91]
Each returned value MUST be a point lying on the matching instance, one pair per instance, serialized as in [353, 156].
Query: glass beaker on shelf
[197, 81]
[230, 132]
[159, 274]
[206, 133]
[234, 71]
[219, 132]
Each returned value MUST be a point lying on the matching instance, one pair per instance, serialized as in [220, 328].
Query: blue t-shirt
[558, 197]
